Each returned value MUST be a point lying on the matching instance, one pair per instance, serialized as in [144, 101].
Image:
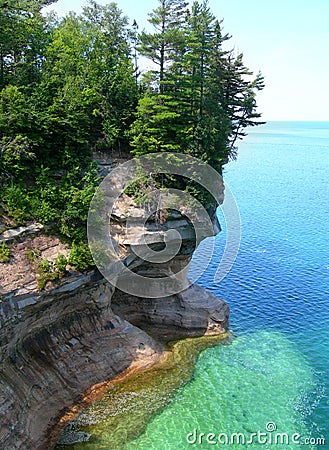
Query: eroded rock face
[18, 276]
[56, 344]
[54, 349]
[190, 313]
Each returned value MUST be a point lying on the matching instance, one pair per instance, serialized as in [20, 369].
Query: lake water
[273, 376]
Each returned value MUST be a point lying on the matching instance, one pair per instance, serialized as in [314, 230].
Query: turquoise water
[273, 377]
[259, 379]
[276, 370]
[278, 289]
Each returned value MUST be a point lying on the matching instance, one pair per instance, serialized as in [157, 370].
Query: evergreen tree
[201, 44]
[134, 41]
[163, 45]
[159, 120]
[238, 98]
[201, 98]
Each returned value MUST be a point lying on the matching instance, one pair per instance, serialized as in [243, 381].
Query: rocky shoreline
[58, 343]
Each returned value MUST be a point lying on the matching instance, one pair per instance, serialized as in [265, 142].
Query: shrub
[45, 270]
[80, 256]
[18, 202]
[4, 253]
[46, 273]
[60, 264]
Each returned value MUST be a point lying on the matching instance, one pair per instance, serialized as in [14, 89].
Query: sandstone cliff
[56, 343]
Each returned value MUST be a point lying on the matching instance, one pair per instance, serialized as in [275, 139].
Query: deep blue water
[280, 280]
[273, 376]
[275, 372]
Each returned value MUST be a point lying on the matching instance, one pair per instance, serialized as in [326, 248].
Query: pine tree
[162, 46]
[159, 118]
[238, 98]
[197, 60]
[201, 98]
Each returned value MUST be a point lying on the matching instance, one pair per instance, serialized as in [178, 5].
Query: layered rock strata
[57, 343]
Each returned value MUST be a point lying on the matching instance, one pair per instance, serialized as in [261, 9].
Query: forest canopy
[73, 86]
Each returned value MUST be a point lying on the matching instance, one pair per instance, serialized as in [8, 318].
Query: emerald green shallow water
[257, 380]
[276, 368]
[123, 413]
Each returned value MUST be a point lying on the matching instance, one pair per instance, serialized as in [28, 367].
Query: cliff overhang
[57, 343]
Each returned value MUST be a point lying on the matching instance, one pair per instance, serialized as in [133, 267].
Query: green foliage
[32, 255]
[70, 86]
[76, 195]
[80, 256]
[46, 271]
[63, 203]
[17, 202]
[168, 40]
[46, 274]
[100, 254]
[4, 253]
[15, 155]
[201, 98]
[67, 87]
[23, 32]
[60, 264]
[14, 110]
[89, 76]
[157, 126]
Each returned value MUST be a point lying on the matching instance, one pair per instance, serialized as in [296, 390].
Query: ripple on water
[238, 388]
[122, 414]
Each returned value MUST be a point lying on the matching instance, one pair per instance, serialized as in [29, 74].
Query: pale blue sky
[288, 40]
